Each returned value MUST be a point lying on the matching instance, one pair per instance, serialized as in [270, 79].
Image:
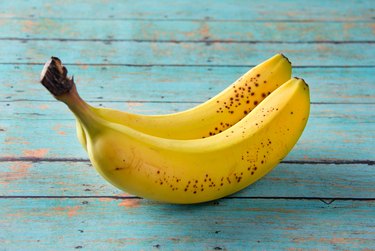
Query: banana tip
[302, 81]
[287, 59]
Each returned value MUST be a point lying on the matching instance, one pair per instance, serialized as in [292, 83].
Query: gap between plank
[316, 162]
[205, 41]
[184, 65]
[325, 200]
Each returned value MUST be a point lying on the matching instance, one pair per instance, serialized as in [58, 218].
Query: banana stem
[54, 78]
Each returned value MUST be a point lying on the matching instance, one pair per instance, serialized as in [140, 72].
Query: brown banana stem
[55, 78]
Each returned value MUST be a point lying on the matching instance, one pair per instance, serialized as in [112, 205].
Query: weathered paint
[292, 180]
[129, 203]
[177, 84]
[344, 130]
[232, 224]
[203, 31]
[206, 10]
[14, 171]
[171, 56]
[172, 53]
[35, 153]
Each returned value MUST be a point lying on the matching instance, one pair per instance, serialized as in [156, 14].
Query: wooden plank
[334, 158]
[211, 9]
[171, 53]
[132, 224]
[180, 84]
[193, 30]
[288, 180]
[338, 131]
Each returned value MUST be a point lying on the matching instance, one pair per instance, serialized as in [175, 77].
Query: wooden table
[157, 57]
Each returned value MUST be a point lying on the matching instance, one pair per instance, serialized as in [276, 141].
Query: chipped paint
[129, 203]
[160, 51]
[15, 141]
[70, 211]
[18, 214]
[73, 211]
[204, 31]
[336, 240]
[289, 228]
[35, 153]
[132, 105]
[333, 241]
[346, 30]
[189, 34]
[43, 107]
[57, 129]
[281, 26]
[83, 66]
[123, 195]
[28, 26]
[19, 170]
[221, 47]
[105, 199]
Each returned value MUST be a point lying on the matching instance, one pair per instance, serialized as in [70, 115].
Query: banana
[213, 116]
[195, 170]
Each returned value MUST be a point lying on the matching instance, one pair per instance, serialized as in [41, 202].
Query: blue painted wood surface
[338, 126]
[202, 31]
[230, 224]
[189, 54]
[165, 56]
[292, 10]
[170, 84]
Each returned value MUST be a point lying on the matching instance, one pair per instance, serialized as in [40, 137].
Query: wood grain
[156, 57]
[179, 84]
[110, 224]
[334, 131]
[294, 10]
[288, 180]
[200, 31]
[183, 54]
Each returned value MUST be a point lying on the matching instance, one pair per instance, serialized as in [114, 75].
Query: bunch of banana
[201, 154]
[213, 116]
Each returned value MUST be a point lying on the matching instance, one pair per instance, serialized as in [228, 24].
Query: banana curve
[198, 170]
[213, 116]
[192, 170]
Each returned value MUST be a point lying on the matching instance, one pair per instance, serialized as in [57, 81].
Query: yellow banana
[213, 116]
[196, 170]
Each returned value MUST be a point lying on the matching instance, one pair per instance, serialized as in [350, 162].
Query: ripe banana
[213, 116]
[189, 171]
